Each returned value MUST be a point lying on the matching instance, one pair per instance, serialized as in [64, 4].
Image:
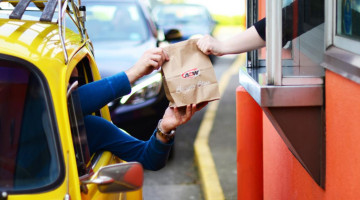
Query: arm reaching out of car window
[108, 89]
[104, 135]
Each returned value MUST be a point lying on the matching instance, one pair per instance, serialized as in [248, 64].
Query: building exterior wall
[342, 137]
[284, 176]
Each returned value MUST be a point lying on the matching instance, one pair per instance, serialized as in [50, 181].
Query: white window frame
[332, 39]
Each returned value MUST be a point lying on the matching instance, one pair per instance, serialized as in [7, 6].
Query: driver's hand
[151, 60]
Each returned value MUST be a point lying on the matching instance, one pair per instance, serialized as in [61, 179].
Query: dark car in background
[121, 31]
[190, 19]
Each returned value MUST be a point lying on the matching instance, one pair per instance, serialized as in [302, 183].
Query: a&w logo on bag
[190, 78]
[192, 73]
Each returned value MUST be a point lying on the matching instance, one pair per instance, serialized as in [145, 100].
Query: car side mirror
[122, 177]
[173, 34]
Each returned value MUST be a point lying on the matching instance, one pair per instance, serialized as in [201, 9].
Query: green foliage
[238, 20]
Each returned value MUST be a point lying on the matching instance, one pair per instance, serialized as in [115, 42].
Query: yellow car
[43, 146]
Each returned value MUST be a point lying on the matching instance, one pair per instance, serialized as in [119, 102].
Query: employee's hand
[209, 45]
[151, 60]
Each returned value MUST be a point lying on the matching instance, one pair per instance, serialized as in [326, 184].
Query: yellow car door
[88, 166]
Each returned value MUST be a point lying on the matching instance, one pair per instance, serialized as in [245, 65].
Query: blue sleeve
[103, 135]
[97, 94]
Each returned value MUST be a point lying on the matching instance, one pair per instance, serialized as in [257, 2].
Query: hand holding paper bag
[189, 77]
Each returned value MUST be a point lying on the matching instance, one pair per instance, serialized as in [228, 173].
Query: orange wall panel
[284, 176]
[262, 9]
[342, 137]
[249, 147]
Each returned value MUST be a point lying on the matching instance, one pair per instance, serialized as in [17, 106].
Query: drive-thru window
[304, 92]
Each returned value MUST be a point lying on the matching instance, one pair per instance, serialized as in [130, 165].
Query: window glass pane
[181, 14]
[302, 41]
[78, 131]
[348, 18]
[28, 157]
[117, 22]
[287, 52]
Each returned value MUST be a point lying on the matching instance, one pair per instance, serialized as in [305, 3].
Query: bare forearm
[245, 41]
[132, 75]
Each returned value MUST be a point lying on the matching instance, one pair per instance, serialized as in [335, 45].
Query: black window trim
[85, 70]
[86, 66]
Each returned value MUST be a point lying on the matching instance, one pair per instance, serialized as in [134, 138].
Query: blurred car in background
[121, 31]
[190, 20]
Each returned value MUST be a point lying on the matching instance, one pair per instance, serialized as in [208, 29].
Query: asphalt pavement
[222, 140]
[180, 179]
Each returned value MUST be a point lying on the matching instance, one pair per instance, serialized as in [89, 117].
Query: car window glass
[117, 22]
[28, 154]
[78, 131]
[181, 14]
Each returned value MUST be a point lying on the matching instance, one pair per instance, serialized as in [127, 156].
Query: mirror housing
[122, 177]
[173, 34]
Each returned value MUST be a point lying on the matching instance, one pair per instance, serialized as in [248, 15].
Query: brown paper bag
[188, 77]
